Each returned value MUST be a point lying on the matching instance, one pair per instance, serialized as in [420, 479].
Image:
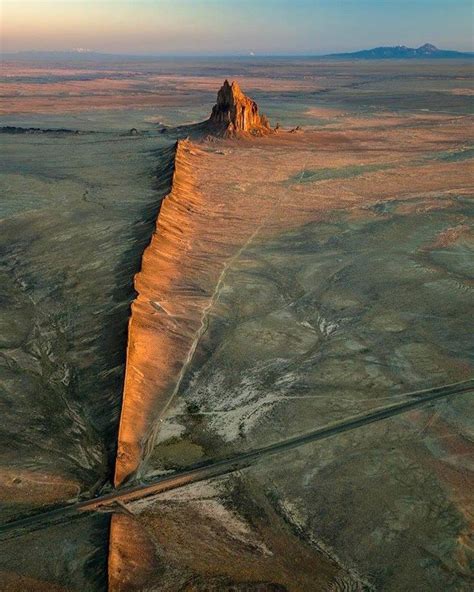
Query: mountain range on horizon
[426, 51]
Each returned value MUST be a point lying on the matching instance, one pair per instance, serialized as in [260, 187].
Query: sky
[233, 27]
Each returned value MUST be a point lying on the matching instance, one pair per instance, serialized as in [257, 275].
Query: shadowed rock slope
[156, 350]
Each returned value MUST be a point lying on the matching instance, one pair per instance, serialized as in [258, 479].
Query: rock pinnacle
[234, 113]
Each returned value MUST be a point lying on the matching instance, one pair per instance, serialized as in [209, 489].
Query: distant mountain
[402, 52]
[426, 51]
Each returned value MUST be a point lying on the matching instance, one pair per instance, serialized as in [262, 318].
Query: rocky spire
[235, 113]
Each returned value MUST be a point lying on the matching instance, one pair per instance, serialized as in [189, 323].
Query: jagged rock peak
[234, 113]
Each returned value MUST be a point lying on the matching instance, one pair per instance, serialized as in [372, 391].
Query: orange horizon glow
[226, 27]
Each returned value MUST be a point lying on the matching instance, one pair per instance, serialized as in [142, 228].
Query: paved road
[110, 502]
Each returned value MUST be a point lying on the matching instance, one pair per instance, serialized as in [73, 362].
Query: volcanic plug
[235, 113]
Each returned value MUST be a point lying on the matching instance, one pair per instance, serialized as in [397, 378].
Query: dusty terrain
[293, 280]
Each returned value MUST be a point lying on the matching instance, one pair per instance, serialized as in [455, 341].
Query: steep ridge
[197, 239]
[168, 315]
[154, 349]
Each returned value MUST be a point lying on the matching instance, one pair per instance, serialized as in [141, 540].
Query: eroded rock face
[235, 113]
[132, 555]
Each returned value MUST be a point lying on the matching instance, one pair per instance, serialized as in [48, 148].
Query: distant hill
[426, 51]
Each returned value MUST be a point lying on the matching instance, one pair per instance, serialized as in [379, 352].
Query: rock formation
[234, 113]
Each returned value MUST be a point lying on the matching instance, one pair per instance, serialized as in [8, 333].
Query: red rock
[235, 113]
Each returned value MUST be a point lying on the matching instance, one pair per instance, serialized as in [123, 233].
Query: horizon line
[80, 52]
[60, 53]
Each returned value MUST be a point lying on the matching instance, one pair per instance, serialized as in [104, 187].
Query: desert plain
[236, 363]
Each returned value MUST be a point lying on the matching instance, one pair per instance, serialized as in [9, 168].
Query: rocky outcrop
[132, 561]
[165, 318]
[234, 113]
[199, 235]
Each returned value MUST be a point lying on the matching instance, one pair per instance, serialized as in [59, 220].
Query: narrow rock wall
[164, 319]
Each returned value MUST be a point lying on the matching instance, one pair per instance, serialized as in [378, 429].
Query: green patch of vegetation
[315, 175]
[177, 454]
[455, 155]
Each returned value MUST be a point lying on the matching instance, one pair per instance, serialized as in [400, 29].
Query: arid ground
[236, 364]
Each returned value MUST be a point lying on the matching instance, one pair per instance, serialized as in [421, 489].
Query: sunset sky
[207, 27]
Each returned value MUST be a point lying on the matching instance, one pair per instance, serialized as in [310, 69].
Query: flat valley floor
[298, 408]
